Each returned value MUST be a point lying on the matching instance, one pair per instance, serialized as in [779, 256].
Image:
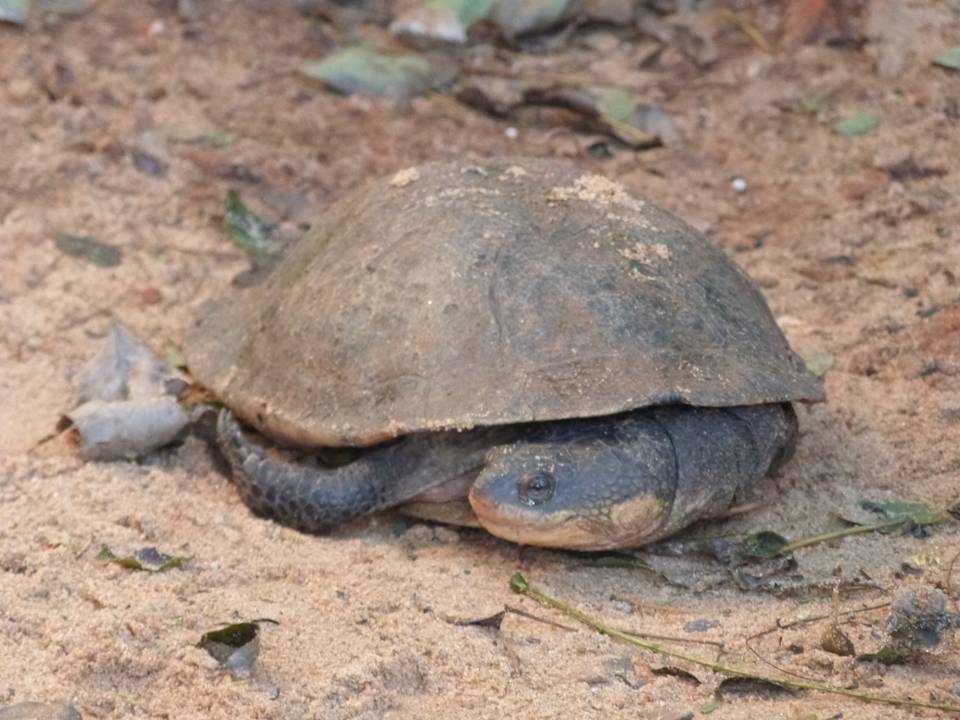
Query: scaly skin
[314, 498]
[596, 483]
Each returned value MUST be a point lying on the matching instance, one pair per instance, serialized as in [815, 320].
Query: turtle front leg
[312, 498]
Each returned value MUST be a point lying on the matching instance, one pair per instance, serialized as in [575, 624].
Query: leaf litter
[147, 559]
[125, 400]
[235, 646]
[858, 124]
[620, 112]
[442, 20]
[367, 71]
[949, 58]
[90, 249]
[520, 585]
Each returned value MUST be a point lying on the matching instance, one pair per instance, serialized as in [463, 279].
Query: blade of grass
[520, 585]
[858, 530]
[747, 28]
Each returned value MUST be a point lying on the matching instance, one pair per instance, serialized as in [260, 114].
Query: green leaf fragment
[617, 104]
[365, 71]
[86, 248]
[518, 583]
[887, 655]
[130, 562]
[236, 635]
[949, 58]
[762, 545]
[710, 706]
[859, 124]
[235, 647]
[634, 122]
[248, 230]
[818, 363]
[174, 357]
[15, 11]
[466, 11]
[146, 560]
[918, 514]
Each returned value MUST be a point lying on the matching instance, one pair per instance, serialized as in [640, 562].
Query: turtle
[513, 343]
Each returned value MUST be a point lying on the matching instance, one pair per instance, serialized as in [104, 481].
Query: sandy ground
[856, 242]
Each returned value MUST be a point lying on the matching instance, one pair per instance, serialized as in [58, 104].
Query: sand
[855, 241]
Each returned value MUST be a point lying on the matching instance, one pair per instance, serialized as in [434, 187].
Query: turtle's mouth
[558, 529]
[630, 524]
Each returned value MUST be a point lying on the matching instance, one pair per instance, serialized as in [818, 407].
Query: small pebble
[512, 133]
[739, 185]
[701, 625]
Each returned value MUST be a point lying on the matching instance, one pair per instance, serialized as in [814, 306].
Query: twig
[537, 618]
[771, 663]
[561, 626]
[740, 509]
[803, 621]
[858, 530]
[519, 585]
[694, 641]
[816, 618]
[747, 28]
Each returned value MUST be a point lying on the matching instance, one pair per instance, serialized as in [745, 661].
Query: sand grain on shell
[597, 189]
[405, 177]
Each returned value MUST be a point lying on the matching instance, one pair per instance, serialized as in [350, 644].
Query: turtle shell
[462, 294]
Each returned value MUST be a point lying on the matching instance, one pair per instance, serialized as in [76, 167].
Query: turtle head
[581, 495]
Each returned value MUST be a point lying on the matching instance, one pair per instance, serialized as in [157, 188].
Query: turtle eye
[536, 488]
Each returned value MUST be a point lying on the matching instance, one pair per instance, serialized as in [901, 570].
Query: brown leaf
[835, 641]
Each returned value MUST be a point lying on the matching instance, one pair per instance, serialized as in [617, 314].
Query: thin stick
[536, 618]
[747, 28]
[771, 663]
[692, 641]
[858, 530]
[802, 621]
[519, 585]
[740, 509]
